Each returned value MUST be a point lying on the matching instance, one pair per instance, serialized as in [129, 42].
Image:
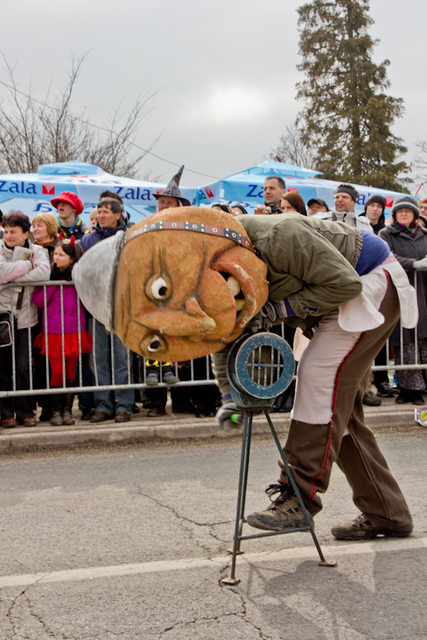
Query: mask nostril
[154, 344]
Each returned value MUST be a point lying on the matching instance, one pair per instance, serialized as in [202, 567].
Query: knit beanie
[375, 199]
[405, 202]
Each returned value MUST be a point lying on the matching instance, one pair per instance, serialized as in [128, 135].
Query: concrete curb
[141, 429]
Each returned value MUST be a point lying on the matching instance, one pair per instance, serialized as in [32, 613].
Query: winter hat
[239, 206]
[319, 201]
[172, 190]
[405, 202]
[349, 189]
[375, 199]
[71, 198]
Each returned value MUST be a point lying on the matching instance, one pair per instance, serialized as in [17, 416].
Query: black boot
[56, 405]
[404, 396]
[67, 418]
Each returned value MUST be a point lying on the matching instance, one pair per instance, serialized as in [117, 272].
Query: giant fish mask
[182, 284]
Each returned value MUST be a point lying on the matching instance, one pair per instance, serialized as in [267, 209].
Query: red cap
[70, 198]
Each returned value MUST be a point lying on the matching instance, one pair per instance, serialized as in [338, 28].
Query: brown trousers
[311, 449]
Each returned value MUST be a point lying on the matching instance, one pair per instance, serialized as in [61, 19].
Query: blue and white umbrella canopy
[246, 187]
[32, 193]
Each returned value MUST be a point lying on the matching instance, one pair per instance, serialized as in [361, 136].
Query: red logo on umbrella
[293, 189]
[389, 201]
[209, 192]
[48, 188]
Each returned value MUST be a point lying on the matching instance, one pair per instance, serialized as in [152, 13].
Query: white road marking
[330, 553]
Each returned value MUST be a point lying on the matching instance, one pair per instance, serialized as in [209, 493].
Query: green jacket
[310, 262]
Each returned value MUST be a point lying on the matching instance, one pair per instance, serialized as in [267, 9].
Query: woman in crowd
[45, 232]
[293, 203]
[62, 313]
[408, 241]
[23, 262]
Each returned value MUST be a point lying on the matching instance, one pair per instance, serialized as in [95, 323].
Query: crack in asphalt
[183, 520]
[23, 596]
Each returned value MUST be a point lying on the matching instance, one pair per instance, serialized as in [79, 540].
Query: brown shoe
[29, 422]
[283, 513]
[361, 528]
[8, 423]
[122, 416]
[101, 416]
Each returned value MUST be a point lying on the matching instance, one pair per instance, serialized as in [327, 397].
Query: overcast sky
[224, 70]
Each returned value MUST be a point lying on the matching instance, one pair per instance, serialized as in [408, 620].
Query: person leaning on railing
[23, 262]
[408, 241]
[65, 317]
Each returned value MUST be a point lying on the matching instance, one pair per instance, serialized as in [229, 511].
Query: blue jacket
[90, 239]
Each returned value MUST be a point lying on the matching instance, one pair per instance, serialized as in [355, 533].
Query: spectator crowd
[46, 335]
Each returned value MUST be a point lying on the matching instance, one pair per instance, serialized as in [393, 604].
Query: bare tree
[34, 132]
[293, 150]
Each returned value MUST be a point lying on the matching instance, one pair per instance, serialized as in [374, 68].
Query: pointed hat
[172, 190]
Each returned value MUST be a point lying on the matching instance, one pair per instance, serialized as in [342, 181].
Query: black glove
[272, 310]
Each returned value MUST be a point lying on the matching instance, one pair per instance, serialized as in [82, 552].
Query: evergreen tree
[347, 116]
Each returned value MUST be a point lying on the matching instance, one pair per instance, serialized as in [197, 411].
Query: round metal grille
[261, 365]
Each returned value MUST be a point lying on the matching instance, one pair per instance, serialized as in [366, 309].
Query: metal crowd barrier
[46, 389]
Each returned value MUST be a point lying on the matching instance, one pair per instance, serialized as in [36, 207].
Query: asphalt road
[131, 543]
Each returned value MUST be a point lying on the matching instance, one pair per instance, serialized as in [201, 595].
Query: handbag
[5, 330]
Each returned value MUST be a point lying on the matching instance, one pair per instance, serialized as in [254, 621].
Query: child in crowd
[65, 315]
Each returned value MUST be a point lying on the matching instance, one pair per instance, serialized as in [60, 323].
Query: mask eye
[155, 344]
[159, 289]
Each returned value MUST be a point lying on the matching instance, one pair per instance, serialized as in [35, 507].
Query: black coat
[407, 250]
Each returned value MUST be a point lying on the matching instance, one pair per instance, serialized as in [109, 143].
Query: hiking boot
[170, 378]
[283, 513]
[361, 528]
[56, 419]
[371, 400]
[8, 423]
[152, 379]
[29, 422]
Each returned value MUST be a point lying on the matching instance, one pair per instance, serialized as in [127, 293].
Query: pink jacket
[53, 301]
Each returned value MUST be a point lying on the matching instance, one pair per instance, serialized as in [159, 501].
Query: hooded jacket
[34, 270]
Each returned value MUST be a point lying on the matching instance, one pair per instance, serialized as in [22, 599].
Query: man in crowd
[345, 198]
[374, 212]
[24, 262]
[117, 403]
[115, 196]
[422, 206]
[69, 208]
[171, 196]
[274, 189]
[316, 205]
